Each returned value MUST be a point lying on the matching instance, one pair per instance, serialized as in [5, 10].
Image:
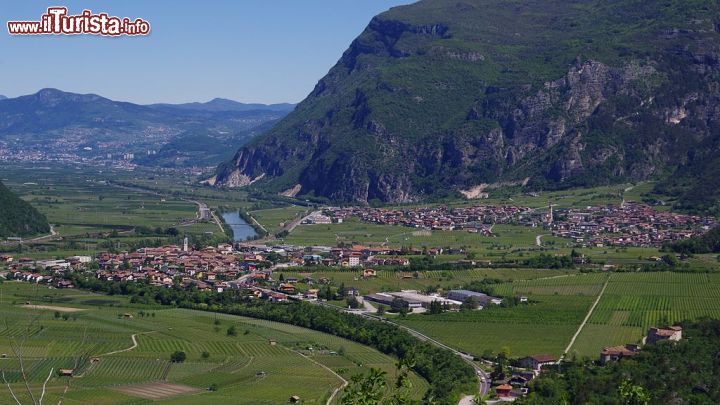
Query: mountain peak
[438, 97]
[52, 97]
[50, 91]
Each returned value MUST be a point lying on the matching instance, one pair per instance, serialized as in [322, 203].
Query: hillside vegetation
[686, 372]
[18, 218]
[441, 96]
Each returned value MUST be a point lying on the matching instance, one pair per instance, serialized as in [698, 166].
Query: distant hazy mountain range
[223, 104]
[2, 97]
[58, 124]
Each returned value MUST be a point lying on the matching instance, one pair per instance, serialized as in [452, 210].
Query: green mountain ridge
[442, 96]
[19, 218]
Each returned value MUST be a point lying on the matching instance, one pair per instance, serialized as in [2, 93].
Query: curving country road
[134, 345]
[53, 233]
[337, 389]
[483, 377]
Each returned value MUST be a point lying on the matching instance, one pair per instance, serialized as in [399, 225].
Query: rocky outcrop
[430, 99]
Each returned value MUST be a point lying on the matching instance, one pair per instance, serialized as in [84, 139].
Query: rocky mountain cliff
[444, 96]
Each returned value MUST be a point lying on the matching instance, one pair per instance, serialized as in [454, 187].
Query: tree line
[447, 374]
[666, 372]
[707, 243]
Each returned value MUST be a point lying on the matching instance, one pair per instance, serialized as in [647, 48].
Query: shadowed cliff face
[441, 96]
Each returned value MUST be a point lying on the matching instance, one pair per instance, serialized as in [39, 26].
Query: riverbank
[240, 226]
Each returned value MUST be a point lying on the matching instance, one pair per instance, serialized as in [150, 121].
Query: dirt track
[53, 308]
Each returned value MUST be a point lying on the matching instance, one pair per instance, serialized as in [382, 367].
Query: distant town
[627, 224]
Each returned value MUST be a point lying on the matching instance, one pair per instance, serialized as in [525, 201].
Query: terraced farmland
[245, 367]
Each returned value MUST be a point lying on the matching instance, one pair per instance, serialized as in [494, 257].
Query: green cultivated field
[356, 231]
[631, 304]
[79, 201]
[86, 210]
[246, 368]
[273, 219]
[387, 280]
[510, 242]
[576, 198]
[543, 327]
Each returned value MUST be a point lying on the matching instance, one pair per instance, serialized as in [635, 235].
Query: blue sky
[265, 51]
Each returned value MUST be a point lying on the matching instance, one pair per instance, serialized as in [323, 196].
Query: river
[241, 230]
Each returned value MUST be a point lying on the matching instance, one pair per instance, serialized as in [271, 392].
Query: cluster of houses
[318, 218]
[655, 335]
[473, 218]
[353, 256]
[205, 269]
[627, 224]
[515, 385]
[212, 266]
[248, 267]
[42, 271]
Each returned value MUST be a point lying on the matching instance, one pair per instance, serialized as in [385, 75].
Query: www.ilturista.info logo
[57, 22]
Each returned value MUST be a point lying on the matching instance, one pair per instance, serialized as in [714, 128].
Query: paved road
[628, 189]
[538, 239]
[53, 233]
[216, 220]
[483, 377]
[467, 400]
[258, 223]
[295, 222]
[204, 212]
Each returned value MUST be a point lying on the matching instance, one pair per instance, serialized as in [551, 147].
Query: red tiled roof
[543, 358]
[617, 350]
